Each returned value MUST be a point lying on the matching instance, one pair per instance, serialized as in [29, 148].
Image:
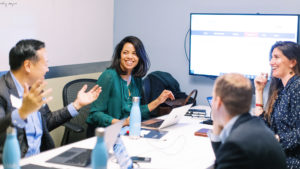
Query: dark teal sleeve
[145, 111]
[98, 114]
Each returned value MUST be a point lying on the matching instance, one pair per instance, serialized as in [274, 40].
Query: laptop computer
[82, 157]
[111, 134]
[172, 118]
[209, 121]
[34, 166]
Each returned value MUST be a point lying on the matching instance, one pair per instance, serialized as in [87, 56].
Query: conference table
[179, 148]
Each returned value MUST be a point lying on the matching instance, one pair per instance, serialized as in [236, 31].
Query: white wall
[75, 31]
[162, 26]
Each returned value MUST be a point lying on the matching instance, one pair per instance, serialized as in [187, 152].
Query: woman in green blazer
[120, 82]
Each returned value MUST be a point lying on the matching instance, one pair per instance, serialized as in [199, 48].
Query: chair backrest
[155, 82]
[70, 91]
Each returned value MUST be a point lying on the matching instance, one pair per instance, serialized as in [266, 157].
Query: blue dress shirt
[33, 123]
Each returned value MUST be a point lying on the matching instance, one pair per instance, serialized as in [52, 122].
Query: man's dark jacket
[50, 120]
[250, 145]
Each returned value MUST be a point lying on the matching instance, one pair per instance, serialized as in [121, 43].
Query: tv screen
[240, 43]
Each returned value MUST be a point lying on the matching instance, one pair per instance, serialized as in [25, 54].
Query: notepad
[154, 134]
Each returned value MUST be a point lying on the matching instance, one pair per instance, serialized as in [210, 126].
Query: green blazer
[114, 100]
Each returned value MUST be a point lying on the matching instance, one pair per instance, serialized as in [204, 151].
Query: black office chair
[75, 129]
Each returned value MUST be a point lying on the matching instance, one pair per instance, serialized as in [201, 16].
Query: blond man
[240, 140]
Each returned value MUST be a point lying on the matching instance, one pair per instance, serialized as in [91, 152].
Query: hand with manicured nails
[34, 98]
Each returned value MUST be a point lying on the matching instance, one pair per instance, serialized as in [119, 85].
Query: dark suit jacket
[50, 120]
[250, 145]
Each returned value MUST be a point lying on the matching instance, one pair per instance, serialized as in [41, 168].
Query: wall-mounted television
[240, 43]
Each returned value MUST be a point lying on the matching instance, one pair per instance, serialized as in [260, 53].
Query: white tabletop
[179, 148]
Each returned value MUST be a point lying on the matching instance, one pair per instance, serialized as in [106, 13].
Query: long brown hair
[291, 50]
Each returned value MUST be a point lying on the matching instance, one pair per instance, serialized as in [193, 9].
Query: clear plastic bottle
[135, 119]
[11, 152]
[99, 153]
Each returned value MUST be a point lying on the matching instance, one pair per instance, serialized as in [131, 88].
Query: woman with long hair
[120, 82]
[282, 111]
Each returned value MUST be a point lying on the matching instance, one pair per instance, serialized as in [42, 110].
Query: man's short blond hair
[235, 92]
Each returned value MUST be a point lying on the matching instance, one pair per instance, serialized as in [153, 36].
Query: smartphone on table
[141, 159]
[202, 132]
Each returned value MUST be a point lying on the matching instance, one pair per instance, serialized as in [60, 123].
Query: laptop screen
[209, 100]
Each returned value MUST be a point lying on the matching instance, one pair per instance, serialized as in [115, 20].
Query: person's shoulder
[4, 89]
[295, 86]
[246, 134]
[255, 138]
[107, 77]
[297, 81]
[250, 129]
[3, 83]
[256, 123]
[109, 72]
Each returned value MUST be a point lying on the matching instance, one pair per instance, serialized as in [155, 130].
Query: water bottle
[135, 119]
[99, 153]
[11, 152]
